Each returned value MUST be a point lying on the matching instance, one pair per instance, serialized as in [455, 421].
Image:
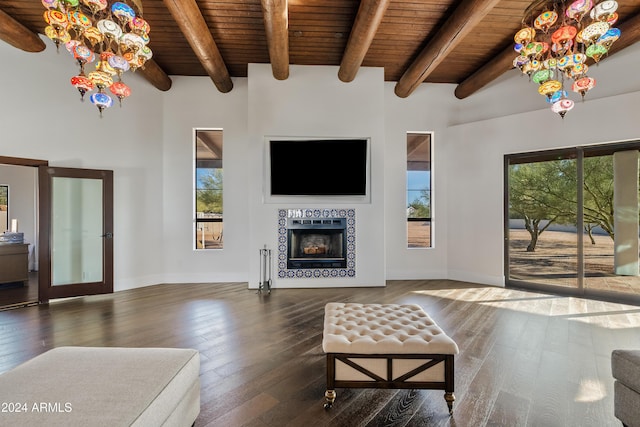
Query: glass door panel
[542, 223]
[76, 230]
[611, 223]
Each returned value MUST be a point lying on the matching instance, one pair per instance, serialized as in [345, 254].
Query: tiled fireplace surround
[322, 218]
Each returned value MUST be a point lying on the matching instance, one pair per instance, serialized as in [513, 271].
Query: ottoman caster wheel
[330, 397]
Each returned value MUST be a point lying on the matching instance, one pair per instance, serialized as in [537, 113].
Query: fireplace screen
[316, 243]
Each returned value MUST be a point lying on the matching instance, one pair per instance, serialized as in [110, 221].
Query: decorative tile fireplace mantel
[316, 243]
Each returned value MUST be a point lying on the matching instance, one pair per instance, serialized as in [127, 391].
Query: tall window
[208, 189]
[418, 190]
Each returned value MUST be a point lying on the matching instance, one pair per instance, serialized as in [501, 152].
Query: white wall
[194, 102]
[475, 214]
[148, 143]
[513, 93]
[41, 117]
[313, 102]
[427, 110]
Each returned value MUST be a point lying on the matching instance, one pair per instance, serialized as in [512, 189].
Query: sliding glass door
[572, 220]
[542, 222]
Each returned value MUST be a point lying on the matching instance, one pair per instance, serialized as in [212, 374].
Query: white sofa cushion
[104, 386]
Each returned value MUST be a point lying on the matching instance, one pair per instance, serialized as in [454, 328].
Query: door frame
[20, 161]
[46, 290]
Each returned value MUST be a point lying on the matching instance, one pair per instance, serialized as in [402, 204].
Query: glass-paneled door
[76, 229]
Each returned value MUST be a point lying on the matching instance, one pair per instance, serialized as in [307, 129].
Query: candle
[14, 225]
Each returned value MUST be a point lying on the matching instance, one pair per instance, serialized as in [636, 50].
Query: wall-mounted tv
[318, 167]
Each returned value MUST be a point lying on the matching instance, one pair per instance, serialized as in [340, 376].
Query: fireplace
[316, 243]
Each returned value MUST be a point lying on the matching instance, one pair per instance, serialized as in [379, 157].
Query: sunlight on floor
[604, 314]
[590, 390]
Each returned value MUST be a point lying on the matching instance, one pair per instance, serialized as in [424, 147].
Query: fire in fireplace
[316, 243]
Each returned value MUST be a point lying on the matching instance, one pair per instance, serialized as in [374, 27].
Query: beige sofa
[103, 386]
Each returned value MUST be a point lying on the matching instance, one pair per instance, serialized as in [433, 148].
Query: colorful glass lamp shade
[557, 38]
[113, 31]
[120, 90]
[562, 106]
[101, 100]
[83, 84]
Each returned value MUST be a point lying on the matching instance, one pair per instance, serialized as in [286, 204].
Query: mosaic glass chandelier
[111, 34]
[557, 38]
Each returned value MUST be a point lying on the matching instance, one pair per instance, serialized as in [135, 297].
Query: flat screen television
[318, 167]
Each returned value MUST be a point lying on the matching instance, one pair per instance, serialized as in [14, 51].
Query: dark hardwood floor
[527, 359]
[19, 294]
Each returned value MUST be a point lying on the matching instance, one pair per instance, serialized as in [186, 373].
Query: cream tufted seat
[382, 329]
[386, 346]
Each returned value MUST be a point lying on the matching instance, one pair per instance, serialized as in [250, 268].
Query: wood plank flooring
[19, 294]
[527, 359]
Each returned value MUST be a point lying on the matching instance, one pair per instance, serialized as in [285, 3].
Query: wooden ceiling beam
[630, 34]
[490, 71]
[370, 14]
[466, 16]
[155, 75]
[415, 142]
[19, 36]
[211, 142]
[192, 24]
[276, 25]
[503, 62]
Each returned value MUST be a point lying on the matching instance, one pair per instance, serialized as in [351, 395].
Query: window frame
[428, 219]
[197, 221]
[578, 153]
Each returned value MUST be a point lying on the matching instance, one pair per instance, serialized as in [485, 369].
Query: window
[419, 190]
[208, 189]
[572, 220]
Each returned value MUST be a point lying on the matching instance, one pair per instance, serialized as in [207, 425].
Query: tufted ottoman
[386, 346]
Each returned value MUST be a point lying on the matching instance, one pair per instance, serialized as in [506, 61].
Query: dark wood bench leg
[450, 398]
[330, 394]
[449, 382]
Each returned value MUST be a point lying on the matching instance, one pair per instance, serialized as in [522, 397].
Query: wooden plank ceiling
[466, 42]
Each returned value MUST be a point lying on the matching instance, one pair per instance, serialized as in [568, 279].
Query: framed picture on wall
[4, 208]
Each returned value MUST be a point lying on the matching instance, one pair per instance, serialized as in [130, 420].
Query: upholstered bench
[386, 346]
[96, 386]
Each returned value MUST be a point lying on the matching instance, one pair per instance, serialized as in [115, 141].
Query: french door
[76, 232]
